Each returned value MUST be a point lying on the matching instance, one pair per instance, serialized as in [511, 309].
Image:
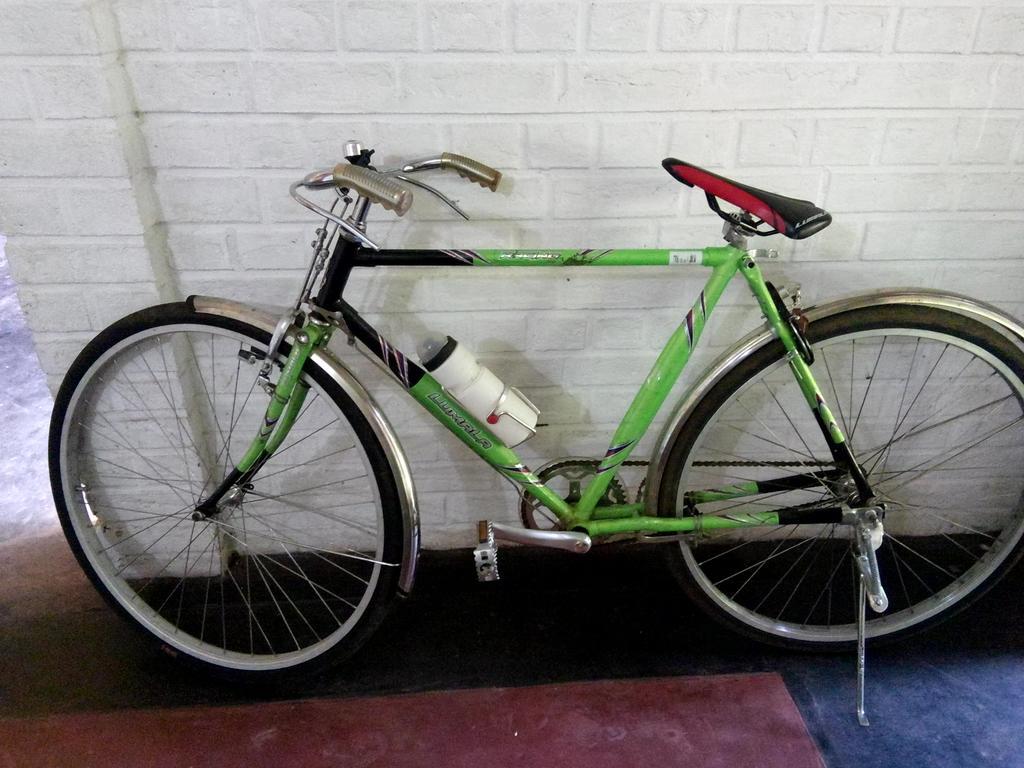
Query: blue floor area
[25, 505]
[951, 698]
[942, 708]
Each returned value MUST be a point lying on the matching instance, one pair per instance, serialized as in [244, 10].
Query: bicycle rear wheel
[294, 571]
[932, 405]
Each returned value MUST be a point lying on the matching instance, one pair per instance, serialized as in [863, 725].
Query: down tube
[443, 407]
[428, 392]
[661, 379]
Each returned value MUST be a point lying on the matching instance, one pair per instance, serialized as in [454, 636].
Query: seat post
[735, 235]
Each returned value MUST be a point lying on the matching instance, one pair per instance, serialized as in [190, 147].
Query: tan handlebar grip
[375, 186]
[470, 169]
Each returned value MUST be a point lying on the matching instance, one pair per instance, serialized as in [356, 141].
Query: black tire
[280, 560]
[704, 573]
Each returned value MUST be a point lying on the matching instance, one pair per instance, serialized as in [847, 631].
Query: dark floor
[952, 698]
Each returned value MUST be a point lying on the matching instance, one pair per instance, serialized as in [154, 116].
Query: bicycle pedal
[485, 556]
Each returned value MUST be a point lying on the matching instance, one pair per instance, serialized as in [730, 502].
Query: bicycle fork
[286, 399]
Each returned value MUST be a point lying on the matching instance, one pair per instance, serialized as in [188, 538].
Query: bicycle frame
[586, 515]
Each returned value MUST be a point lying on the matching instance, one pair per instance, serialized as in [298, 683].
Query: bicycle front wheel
[294, 571]
[932, 405]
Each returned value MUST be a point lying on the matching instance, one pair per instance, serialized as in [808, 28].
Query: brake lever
[435, 192]
[351, 232]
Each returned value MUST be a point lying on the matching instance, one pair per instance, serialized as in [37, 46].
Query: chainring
[573, 470]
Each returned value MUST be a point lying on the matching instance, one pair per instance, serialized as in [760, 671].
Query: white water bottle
[506, 411]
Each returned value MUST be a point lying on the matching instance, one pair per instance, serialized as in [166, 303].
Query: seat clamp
[734, 235]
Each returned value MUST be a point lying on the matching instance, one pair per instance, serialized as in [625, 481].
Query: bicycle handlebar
[375, 186]
[379, 186]
[471, 169]
[466, 167]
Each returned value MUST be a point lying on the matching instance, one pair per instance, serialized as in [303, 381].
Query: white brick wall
[905, 120]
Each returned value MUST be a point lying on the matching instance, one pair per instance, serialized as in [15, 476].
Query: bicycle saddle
[788, 216]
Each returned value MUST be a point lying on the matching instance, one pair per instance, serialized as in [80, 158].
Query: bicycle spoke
[946, 460]
[182, 428]
[899, 572]
[252, 617]
[871, 380]
[152, 544]
[130, 449]
[150, 478]
[922, 557]
[803, 442]
[319, 458]
[919, 391]
[316, 586]
[206, 593]
[827, 589]
[308, 489]
[930, 512]
[176, 447]
[789, 570]
[775, 553]
[266, 572]
[273, 598]
[759, 537]
[311, 548]
[234, 402]
[835, 395]
[916, 431]
[727, 454]
[311, 434]
[182, 583]
[907, 565]
[778, 443]
[187, 549]
[807, 570]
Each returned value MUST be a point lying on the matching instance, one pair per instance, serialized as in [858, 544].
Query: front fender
[991, 316]
[265, 318]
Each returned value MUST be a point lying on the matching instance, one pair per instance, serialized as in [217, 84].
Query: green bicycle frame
[586, 514]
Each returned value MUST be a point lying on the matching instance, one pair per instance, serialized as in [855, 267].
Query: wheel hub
[231, 501]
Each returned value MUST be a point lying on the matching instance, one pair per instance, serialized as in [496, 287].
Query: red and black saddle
[785, 215]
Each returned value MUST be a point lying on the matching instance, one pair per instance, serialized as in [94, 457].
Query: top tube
[550, 257]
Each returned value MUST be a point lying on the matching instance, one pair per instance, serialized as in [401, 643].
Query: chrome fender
[988, 315]
[265, 318]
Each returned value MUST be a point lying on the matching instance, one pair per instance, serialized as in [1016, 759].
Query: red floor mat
[730, 721]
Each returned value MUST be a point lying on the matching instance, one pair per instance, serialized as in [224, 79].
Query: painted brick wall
[147, 147]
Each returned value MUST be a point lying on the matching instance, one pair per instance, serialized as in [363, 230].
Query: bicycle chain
[742, 463]
[536, 505]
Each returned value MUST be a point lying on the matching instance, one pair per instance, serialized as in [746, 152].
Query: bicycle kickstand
[868, 533]
[862, 716]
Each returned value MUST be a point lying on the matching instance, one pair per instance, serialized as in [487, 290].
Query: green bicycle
[231, 488]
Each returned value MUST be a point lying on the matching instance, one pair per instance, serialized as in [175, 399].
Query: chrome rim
[286, 570]
[938, 424]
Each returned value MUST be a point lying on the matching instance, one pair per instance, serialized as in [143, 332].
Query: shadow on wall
[26, 507]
